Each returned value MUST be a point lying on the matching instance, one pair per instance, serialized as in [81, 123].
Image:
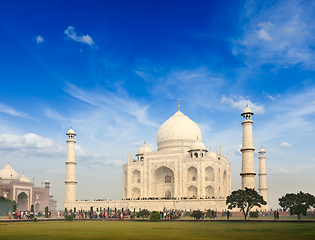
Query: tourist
[10, 215]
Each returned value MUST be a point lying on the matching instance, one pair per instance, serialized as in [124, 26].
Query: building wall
[177, 175]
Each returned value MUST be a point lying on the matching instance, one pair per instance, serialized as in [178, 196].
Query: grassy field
[160, 230]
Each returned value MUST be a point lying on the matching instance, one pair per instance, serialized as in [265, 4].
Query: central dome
[179, 130]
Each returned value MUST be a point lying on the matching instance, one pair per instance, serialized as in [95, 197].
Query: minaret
[248, 173]
[71, 181]
[262, 176]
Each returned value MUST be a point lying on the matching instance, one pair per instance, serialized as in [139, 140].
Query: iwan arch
[181, 174]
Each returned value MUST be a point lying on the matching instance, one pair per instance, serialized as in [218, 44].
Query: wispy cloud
[39, 39]
[241, 103]
[285, 145]
[70, 32]
[6, 109]
[281, 34]
[116, 101]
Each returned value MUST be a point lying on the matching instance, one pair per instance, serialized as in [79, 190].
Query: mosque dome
[7, 171]
[211, 154]
[23, 178]
[198, 146]
[144, 149]
[179, 130]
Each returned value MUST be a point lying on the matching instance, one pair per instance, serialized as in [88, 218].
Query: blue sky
[114, 71]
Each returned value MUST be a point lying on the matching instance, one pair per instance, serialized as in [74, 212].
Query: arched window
[196, 155]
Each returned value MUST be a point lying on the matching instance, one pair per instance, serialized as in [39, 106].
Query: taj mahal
[181, 174]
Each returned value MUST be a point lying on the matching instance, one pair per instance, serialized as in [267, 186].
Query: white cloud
[281, 33]
[241, 103]
[6, 109]
[281, 171]
[39, 39]
[285, 145]
[70, 32]
[262, 34]
[30, 141]
[271, 97]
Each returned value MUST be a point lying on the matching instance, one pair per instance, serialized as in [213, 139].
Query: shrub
[35, 219]
[69, 218]
[155, 216]
[143, 213]
[254, 214]
[187, 214]
[197, 214]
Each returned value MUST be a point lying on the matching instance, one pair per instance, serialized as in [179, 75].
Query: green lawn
[160, 230]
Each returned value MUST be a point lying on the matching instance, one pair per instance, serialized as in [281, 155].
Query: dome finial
[178, 106]
[246, 104]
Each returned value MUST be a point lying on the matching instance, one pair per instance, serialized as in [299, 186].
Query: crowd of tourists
[26, 214]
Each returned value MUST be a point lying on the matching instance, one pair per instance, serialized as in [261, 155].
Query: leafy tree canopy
[143, 213]
[197, 214]
[245, 200]
[6, 205]
[297, 203]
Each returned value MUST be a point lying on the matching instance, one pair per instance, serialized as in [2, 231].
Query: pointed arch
[192, 174]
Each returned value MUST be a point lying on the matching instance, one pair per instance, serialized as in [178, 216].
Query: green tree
[197, 214]
[209, 213]
[6, 205]
[155, 216]
[143, 213]
[254, 214]
[297, 203]
[245, 200]
[46, 212]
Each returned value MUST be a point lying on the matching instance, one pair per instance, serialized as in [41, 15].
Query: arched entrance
[192, 174]
[192, 192]
[209, 174]
[136, 176]
[136, 193]
[209, 192]
[22, 201]
[37, 207]
[163, 183]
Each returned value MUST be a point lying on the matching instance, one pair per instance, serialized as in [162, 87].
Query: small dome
[50, 194]
[247, 110]
[262, 150]
[144, 149]
[197, 146]
[47, 181]
[23, 178]
[211, 154]
[6, 173]
[71, 132]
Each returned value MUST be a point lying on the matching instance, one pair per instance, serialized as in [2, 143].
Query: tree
[245, 200]
[297, 203]
[143, 213]
[197, 214]
[155, 216]
[6, 205]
